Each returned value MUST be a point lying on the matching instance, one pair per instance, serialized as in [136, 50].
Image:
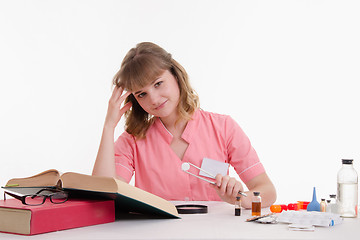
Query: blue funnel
[314, 205]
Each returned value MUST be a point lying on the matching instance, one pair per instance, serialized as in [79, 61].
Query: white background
[286, 71]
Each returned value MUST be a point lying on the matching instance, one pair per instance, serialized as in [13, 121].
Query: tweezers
[186, 166]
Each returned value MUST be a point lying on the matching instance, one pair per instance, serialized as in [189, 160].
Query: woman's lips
[161, 105]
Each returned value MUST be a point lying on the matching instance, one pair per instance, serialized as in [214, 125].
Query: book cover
[18, 218]
[127, 198]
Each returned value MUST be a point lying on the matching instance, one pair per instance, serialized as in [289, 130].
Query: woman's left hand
[227, 188]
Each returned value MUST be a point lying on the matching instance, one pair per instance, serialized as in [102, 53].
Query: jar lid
[347, 161]
[256, 193]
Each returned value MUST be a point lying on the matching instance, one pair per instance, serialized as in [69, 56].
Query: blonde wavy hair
[141, 66]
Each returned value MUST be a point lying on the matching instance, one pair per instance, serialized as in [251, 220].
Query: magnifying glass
[186, 166]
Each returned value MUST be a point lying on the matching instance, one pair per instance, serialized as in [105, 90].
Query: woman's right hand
[115, 112]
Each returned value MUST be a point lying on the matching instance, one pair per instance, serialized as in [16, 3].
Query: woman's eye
[141, 95]
[158, 84]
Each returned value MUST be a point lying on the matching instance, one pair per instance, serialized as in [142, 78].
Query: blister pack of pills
[323, 219]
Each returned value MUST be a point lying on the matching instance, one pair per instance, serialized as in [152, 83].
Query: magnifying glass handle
[206, 180]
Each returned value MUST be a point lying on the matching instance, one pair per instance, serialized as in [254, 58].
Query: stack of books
[18, 218]
[92, 200]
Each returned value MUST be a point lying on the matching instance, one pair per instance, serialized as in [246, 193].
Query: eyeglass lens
[35, 199]
[59, 197]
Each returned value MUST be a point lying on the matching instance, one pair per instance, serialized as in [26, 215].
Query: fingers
[115, 111]
[237, 188]
[117, 94]
[117, 97]
[126, 107]
[123, 97]
[223, 184]
[231, 187]
[228, 186]
[218, 179]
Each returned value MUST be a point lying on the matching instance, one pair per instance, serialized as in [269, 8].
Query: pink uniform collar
[186, 135]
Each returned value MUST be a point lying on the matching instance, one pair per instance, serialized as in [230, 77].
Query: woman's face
[161, 97]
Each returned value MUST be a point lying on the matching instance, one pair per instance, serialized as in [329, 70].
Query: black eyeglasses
[56, 196]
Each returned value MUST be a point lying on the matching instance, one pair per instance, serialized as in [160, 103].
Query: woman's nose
[154, 99]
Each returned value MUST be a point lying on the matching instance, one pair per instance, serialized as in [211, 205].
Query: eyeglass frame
[45, 196]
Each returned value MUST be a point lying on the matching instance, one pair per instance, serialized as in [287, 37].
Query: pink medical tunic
[158, 168]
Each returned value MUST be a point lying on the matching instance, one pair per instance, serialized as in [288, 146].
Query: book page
[45, 179]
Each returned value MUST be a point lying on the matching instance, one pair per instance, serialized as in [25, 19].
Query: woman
[165, 127]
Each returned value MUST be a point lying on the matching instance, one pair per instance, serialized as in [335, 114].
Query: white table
[219, 223]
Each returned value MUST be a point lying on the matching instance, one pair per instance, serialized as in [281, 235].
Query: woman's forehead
[140, 78]
[138, 89]
[142, 88]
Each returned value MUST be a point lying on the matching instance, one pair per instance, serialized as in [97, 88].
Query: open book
[127, 197]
